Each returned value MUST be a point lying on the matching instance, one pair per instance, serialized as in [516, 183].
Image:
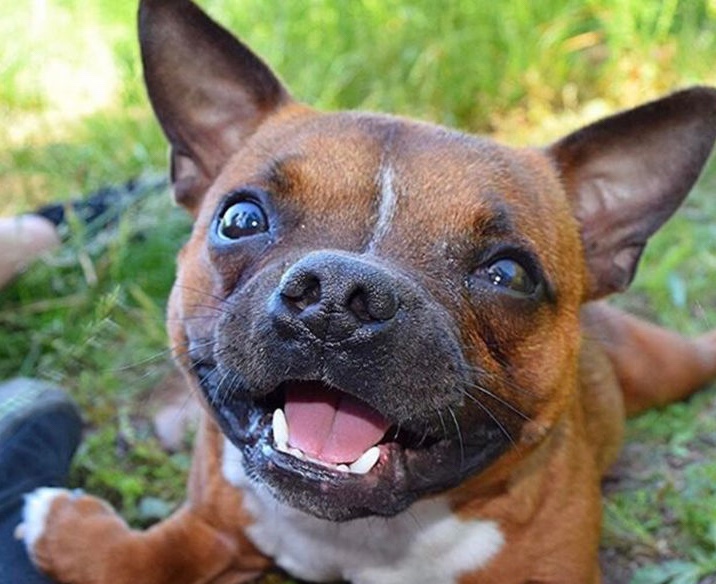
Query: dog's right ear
[208, 91]
[626, 174]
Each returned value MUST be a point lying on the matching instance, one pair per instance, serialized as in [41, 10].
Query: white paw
[34, 515]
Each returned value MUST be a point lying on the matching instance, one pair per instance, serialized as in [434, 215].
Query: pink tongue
[330, 425]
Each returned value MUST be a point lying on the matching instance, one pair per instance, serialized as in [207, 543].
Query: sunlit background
[69, 72]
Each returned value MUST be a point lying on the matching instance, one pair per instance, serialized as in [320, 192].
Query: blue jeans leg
[37, 453]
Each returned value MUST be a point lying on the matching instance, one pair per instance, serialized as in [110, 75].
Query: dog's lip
[391, 448]
[249, 421]
[256, 433]
[405, 469]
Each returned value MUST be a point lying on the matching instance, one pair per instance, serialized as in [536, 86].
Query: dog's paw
[64, 530]
[35, 514]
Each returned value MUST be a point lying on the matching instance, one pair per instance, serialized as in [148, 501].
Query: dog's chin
[406, 466]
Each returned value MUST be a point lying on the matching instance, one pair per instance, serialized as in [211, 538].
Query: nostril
[369, 304]
[302, 291]
[358, 305]
[312, 295]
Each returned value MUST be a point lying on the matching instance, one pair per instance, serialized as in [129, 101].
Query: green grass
[91, 317]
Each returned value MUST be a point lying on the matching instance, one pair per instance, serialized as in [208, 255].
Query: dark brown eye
[511, 275]
[241, 220]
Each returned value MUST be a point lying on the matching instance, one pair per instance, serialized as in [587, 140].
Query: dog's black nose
[335, 295]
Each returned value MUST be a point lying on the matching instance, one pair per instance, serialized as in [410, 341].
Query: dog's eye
[242, 219]
[511, 275]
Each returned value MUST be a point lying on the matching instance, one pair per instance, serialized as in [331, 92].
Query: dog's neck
[419, 545]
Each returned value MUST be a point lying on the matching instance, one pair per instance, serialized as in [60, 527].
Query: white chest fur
[423, 545]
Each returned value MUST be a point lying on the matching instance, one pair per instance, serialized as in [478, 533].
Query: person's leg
[40, 430]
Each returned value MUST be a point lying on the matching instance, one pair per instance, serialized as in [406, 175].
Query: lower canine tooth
[342, 468]
[280, 429]
[366, 461]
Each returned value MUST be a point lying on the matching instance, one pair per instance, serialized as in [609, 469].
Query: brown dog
[394, 328]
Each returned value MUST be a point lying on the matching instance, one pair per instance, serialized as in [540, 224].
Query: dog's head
[375, 308]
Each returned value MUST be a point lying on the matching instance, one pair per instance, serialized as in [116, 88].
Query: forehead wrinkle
[281, 172]
[494, 221]
[499, 226]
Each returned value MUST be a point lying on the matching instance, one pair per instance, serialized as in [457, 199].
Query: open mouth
[317, 425]
[325, 426]
[327, 452]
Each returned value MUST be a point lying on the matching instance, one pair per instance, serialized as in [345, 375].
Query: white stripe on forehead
[388, 203]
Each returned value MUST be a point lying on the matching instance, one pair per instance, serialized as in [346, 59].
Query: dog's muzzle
[335, 377]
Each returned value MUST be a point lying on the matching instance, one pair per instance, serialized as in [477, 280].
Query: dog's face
[376, 309]
[382, 283]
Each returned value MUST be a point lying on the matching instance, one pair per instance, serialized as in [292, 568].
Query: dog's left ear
[208, 90]
[626, 175]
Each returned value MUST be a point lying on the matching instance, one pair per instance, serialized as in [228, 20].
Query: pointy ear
[208, 91]
[626, 175]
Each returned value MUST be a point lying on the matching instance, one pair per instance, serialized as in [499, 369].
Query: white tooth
[280, 429]
[343, 468]
[366, 461]
[296, 453]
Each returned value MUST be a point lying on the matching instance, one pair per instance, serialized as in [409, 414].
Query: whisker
[503, 379]
[141, 363]
[442, 422]
[205, 293]
[215, 308]
[213, 370]
[459, 437]
[498, 399]
[424, 437]
[499, 424]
